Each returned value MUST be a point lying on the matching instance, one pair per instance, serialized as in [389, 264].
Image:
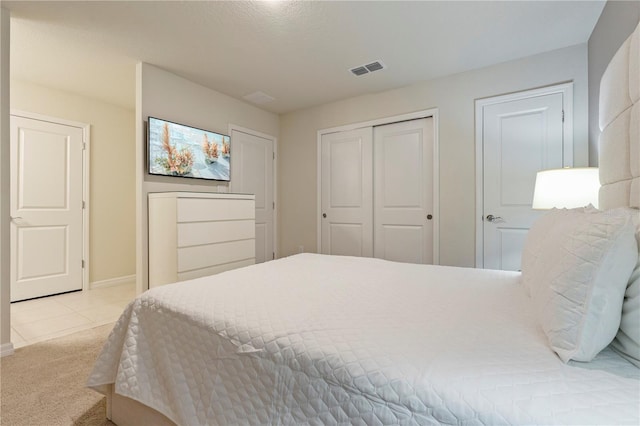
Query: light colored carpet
[44, 383]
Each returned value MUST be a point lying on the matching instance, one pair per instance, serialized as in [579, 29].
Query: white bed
[320, 339]
[315, 339]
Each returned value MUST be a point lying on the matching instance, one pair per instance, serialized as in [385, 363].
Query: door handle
[492, 218]
[17, 220]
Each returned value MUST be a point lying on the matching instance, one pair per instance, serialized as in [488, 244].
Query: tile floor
[55, 316]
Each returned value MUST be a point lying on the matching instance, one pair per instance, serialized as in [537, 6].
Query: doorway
[49, 217]
[252, 172]
[517, 135]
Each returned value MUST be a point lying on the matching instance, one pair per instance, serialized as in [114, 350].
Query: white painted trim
[86, 176]
[433, 112]
[6, 349]
[381, 121]
[86, 179]
[274, 177]
[567, 98]
[276, 245]
[48, 118]
[142, 253]
[111, 282]
[436, 187]
[319, 191]
[250, 131]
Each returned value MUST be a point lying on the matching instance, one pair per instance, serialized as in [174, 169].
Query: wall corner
[5, 285]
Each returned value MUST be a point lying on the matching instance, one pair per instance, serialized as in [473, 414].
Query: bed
[316, 339]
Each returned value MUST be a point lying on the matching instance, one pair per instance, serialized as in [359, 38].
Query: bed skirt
[125, 411]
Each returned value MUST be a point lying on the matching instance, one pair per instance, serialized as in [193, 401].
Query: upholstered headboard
[619, 143]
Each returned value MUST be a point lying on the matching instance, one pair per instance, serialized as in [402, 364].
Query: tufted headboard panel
[619, 143]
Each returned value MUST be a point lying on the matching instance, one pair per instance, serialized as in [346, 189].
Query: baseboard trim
[6, 349]
[112, 281]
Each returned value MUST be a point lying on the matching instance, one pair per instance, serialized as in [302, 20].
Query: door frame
[432, 112]
[274, 176]
[86, 136]
[567, 158]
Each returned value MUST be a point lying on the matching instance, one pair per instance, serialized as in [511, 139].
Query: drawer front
[189, 275]
[199, 233]
[198, 257]
[206, 209]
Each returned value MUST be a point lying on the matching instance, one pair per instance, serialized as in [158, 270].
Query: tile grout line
[90, 300]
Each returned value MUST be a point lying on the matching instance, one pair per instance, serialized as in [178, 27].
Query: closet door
[347, 193]
[403, 191]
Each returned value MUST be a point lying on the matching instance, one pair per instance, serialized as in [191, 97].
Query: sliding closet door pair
[377, 192]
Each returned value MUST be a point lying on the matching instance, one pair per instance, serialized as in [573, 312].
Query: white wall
[454, 96]
[112, 172]
[165, 95]
[5, 307]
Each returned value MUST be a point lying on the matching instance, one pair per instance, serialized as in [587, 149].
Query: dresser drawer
[203, 210]
[199, 257]
[199, 233]
[197, 273]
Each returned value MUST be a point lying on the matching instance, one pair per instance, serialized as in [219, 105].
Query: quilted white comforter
[315, 339]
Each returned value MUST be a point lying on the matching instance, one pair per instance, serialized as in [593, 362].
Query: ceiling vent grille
[374, 66]
[366, 69]
[360, 71]
[259, 98]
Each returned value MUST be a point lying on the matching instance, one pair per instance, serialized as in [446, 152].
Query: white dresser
[193, 234]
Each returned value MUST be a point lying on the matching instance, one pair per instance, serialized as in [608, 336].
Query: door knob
[492, 218]
[324, 215]
[17, 220]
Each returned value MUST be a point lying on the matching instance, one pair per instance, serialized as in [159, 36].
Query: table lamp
[566, 188]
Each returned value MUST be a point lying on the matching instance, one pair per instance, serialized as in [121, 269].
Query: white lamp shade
[566, 188]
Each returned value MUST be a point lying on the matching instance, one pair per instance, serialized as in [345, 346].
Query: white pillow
[580, 264]
[627, 341]
[536, 242]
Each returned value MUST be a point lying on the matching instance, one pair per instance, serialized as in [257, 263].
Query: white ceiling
[297, 52]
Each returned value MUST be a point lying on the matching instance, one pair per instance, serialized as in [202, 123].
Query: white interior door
[347, 193]
[403, 191]
[46, 208]
[520, 138]
[252, 173]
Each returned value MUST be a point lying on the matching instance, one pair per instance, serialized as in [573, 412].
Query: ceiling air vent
[259, 98]
[366, 69]
[374, 66]
[359, 71]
